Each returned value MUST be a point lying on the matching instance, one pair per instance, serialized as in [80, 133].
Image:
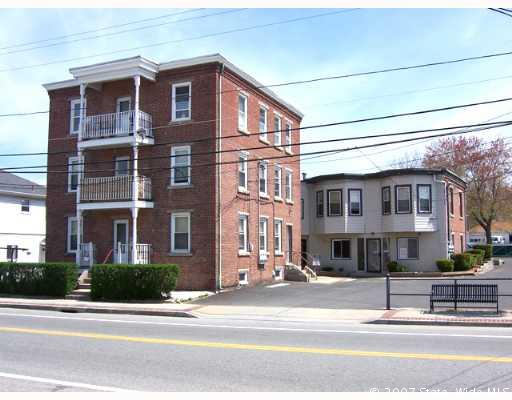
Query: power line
[140, 28]
[191, 38]
[501, 11]
[331, 124]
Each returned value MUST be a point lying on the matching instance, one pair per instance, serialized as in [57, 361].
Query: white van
[498, 240]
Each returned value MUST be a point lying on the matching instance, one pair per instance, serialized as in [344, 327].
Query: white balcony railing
[114, 188]
[116, 125]
[123, 254]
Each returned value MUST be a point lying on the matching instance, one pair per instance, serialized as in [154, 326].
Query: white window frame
[117, 160]
[419, 198]
[245, 232]
[263, 219]
[408, 256]
[341, 255]
[288, 137]
[72, 161]
[263, 133]
[246, 280]
[278, 236]
[22, 203]
[173, 231]
[72, 115]
[288, 185]
[242, 168]
[72, 220]
[173, 165]
[277, 132]
[278, 186]
[242, 118]
[397, 199]
[119, 100]
[265, 177]
[173, 101]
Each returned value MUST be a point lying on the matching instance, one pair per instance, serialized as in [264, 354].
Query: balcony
[115, 192]
[116, 129]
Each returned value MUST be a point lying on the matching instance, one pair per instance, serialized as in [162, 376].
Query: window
[461, 242]
[25, 205]
[263, 124]
[242, 171]
[403, 199]
[355, 198]
[123, 104]
[243, 237]
[74, 173]
[450, 199]
[278, 234]
[334, 199]
[301, 208]
[288, 137]
[263, 177]
[180, 232]
[74, 116]
[242, 112]
[277, 181]
[72, 238]
[424, 199]
[180, 166]
[263, 228]
[243, 277]
[461, 204]
[320, 203]
[288, 185]
[340, 249]
[386, 200]
[122, 166]
[407, 248]
[277, 130]
[180, 102]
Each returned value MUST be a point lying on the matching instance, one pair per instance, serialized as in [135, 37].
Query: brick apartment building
[160, 170]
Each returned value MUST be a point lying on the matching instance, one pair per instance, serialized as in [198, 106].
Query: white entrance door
[123, 120]
[121, 249]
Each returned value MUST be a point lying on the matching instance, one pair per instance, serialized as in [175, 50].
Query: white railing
[117, 124]
[143, 254]
[123, 254]
[114, 188]
[87, 254]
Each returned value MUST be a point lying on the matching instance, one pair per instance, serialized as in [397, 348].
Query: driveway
[341, 293]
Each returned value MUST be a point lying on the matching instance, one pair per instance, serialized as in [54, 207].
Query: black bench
[464, 293]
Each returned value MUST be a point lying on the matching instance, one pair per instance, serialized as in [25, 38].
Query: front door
[123, 118]
[304, 251]
[121, 250]
[373, 255]
[289, 243]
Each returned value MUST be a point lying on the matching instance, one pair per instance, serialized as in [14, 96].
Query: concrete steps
[83, 290]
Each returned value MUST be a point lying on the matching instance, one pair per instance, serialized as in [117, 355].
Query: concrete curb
[100, 310]
[440, 323]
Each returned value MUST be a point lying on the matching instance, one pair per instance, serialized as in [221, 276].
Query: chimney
[303, 176]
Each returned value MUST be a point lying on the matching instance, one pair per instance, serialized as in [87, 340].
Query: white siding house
[22, 216]
[355, 223]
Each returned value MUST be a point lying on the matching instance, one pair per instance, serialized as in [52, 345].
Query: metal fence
[504, 250]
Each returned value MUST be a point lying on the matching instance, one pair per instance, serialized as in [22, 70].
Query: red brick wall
[456, 221]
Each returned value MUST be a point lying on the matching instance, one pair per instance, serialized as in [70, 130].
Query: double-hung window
[277, 182]
[242, 171]
[74, 173]
[122, 166]
[403, 199]
[320, 203]
[355, 198]
[334, 203]
[243, 236]
[407, 248]
[278, 234]
[263, 230]
[288, 137]
[180, 166]
[74, 116]
[288, 185]
[450, 199]
[263, 178]
[277, 130]
[461, 204]
[340, 249]
[25, 205]
[72, 237]
[424, 199]
[386, 200]
[180, 232]
[242, 112]
[180, 102]
[263, 124]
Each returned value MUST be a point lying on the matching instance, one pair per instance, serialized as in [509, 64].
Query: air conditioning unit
[262, 259]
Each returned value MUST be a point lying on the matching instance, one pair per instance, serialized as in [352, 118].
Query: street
[47, 351]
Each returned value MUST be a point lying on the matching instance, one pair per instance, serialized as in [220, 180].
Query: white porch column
[135, 213]
[136, 106]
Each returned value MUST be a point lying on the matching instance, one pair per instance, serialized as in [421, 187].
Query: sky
[346, 42]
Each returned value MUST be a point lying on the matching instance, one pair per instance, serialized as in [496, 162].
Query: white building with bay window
[358, 223]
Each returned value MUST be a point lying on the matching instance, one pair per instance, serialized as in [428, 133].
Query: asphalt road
[45, 351]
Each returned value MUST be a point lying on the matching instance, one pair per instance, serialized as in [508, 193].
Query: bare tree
[408, 160]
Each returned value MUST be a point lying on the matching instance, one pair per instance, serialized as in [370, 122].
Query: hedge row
[132, 282]
[487, 248]
[445, 265]
[394, 266]
[42, 279]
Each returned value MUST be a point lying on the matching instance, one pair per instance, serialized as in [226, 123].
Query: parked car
[498, 240]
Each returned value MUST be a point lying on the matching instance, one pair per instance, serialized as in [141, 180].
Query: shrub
[487, 248]
[445, 265]
[394, 266]
[132, 282]
[479, 254]
[474, 259]
[41, 279]
[462, 262]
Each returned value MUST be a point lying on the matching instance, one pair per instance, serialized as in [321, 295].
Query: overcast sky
[359, 40]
